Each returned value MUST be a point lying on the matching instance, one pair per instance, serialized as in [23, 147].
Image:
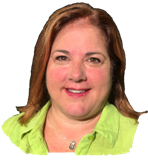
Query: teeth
[76, 91]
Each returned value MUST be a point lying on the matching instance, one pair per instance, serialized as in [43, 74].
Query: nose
[77, 72]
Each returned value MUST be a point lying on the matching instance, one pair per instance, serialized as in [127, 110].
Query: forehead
[80, 31]
[81, 24]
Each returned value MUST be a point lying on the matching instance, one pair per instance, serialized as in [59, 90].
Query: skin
[78, 60]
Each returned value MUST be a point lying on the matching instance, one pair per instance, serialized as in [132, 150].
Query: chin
[78, 111]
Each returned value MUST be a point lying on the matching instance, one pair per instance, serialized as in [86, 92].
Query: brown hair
[38, 94]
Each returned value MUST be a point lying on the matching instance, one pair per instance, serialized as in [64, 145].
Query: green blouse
[113, 135]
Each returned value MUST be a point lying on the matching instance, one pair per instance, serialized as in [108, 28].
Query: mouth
[76, 93]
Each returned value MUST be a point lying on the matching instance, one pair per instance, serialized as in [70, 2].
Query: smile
[75, 93]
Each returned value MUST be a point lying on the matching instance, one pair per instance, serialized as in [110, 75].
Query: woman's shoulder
[11, 123]
[11, 132]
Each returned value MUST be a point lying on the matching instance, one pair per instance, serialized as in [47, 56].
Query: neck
[66, 126]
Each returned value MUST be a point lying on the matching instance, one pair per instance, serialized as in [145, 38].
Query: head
[83, 15]
[78, 75]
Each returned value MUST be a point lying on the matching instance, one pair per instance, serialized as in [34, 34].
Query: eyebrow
[87, 54]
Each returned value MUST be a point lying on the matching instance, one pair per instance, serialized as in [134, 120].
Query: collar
[108, 124]
[35, 125]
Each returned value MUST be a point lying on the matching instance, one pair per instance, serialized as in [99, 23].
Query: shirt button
[90, 137]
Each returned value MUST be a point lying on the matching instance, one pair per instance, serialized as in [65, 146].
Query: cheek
[55, 75]
[99, 77]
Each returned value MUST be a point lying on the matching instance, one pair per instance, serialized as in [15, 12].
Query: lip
[79, 88]
[77, 95]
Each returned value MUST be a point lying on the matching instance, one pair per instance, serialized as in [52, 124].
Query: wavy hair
[38, 94]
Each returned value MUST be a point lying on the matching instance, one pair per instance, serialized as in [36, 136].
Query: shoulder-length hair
[38, 94]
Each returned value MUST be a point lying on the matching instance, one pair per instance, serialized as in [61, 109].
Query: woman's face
[78, 74]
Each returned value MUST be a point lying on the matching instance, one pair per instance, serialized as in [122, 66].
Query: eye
[94, 60]
[60, 57]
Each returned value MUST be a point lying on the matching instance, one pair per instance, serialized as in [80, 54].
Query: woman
[76, 98]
